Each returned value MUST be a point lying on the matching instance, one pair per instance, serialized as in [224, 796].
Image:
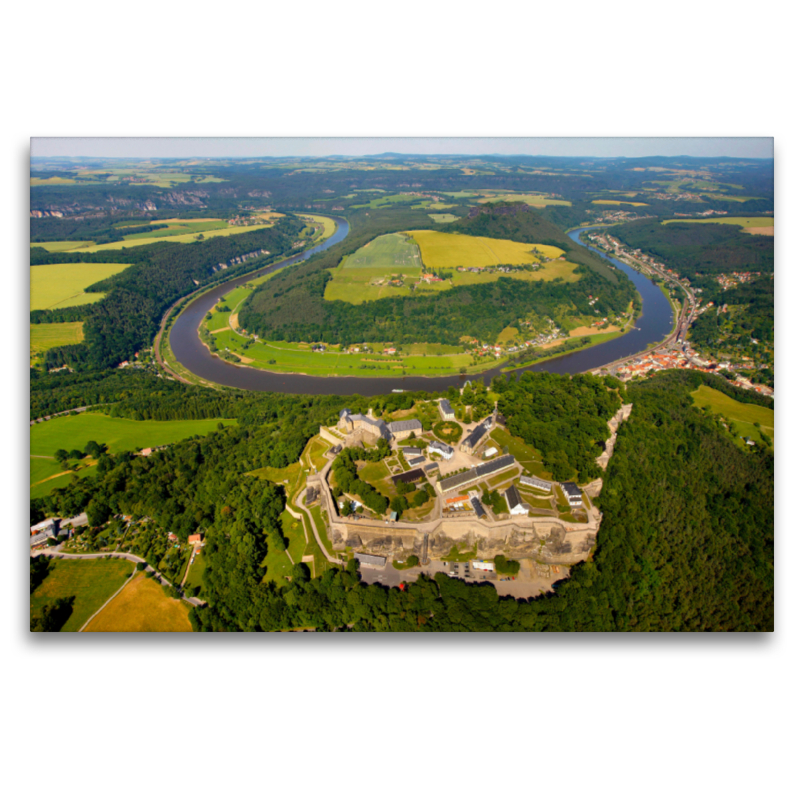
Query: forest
[291, 307]
[563, 416]
[686, 542]
[127, 319]
[694, 250]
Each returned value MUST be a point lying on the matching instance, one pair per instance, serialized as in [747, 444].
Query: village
[677, 352]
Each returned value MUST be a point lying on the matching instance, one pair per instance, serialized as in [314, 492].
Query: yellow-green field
[617, 203]
[54, 334]
[54, 181]
[186, 238]
[142, 606]
[442, 218]
[741, 416]
[536, 200]
[758, 225]
[62, 285]
[447, 250]
[61, 247]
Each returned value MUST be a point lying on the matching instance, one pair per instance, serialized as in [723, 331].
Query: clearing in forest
[63, 285]
[142, 606]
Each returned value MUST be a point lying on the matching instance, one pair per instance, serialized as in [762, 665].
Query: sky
[232, 147]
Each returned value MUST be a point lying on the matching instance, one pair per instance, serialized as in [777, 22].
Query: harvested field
[142, 606]
[54, 334]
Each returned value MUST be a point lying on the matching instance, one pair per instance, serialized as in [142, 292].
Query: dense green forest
[291, 307]
[127, 319]
[691, 249]
[686, 541]
[564, 417]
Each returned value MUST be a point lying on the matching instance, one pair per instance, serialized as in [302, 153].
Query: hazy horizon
[365, 147]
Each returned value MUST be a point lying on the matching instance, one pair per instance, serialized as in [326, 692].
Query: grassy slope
[742, 415]
[90, 582]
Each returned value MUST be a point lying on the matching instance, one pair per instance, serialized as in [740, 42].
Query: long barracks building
[452, 482]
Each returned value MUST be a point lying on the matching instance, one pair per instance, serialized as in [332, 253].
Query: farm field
[448, 250]
[617, 203]
[63, 285]
[90, 582]
[61, 247]
[185, 238]
[54, 334]
[366, 280]
[119, 434]
[742, 416]
[758, 225]
[142, 606]
[536, 200]
[391, 251]
[441, 218]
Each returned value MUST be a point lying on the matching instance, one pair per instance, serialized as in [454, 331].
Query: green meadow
[73, 432]
[298, 357]
[90, 583]
[742, 417]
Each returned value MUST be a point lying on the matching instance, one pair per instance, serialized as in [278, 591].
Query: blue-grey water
[653, 325]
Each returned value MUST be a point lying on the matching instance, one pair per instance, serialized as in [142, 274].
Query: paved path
[61, 414]
[300, 504]
[54, 552]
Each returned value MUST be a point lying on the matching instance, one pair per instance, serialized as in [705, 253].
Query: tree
[61, 456]
[76, 454]
[301, 573]
[97, 513]
[53, 616]
[140, 565]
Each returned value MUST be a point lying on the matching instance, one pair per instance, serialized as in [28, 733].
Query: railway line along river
[653, 325]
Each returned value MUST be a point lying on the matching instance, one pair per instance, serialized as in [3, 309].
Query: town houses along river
[652, 326]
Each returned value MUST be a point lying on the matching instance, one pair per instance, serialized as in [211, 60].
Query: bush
[140, 565]
[504, 566]
[412, 561]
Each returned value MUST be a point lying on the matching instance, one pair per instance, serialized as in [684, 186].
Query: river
[654, 324]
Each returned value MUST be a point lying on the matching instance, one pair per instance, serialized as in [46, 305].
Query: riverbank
[654, 324]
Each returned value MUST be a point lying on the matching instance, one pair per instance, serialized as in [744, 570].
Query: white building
[537, 483]
[483, 566]
[441, 449]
